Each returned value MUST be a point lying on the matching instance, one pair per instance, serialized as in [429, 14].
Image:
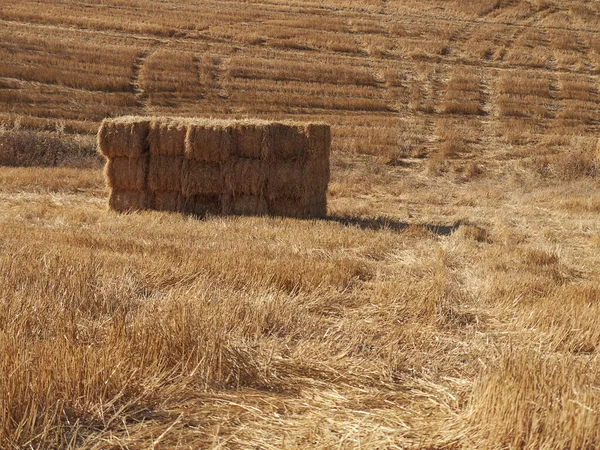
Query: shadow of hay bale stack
[200, 166]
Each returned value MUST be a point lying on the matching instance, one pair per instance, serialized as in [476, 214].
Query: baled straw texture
[165, 173]
[319, 141]
[168, 201]
[201, 178]
[287, 207]
[245, 177]
[217, 166]
[202, 204]
[123, 137]
[284, 142]
[207, 143]
[245, 205]
[123, 173]
[247, 140]
[127, 201]
[167, 137]
[287, 179]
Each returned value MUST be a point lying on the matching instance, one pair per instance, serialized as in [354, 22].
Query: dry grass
[441, 330]
[25, 148]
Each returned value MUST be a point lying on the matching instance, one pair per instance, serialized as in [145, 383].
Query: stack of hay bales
[124, 143]
[248, 167]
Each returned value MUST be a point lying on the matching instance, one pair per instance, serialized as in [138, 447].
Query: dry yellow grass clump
[214, 166]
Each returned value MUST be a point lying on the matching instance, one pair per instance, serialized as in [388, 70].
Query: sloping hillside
[401, 79]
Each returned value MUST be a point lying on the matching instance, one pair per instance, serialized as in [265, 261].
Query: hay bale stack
[124, 143]
[216, 166]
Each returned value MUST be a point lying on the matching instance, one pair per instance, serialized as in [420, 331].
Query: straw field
[450, 299]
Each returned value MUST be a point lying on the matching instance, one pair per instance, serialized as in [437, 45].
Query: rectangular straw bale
[287, 207]
[167, 137]
[284, 142]
[247, 140]
[167, 201]
[207, 143]
[316, 205]
[202, 204]
[123, 137]
[317, 175]
[245, 176]
[201, 178]
[123, 173]
[247, 205]
[286, 179]
[319, 141]
[126, 201]
[164, 173]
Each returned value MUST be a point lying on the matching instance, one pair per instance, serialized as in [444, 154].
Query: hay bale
[126, 201]
[287, 207]
[317, 176]
[164, 173]
[207, 143]
[316, 206]
[167, 137]
[202, 204]
[245, 177]
[319, 141]
[284, 142]
[286, 179]
[123, 173]
[167, 201]
[247, 140]
[246, 205]
[126, 137]
[302, 208]
[201, 178]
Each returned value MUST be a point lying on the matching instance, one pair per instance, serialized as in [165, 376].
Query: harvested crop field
[450, 299]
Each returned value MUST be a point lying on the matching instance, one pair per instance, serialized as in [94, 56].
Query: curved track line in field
[140, 95]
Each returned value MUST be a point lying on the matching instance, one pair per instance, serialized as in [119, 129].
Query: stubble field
[449, 300]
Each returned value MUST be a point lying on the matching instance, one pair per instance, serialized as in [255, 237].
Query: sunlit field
[450, 299]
